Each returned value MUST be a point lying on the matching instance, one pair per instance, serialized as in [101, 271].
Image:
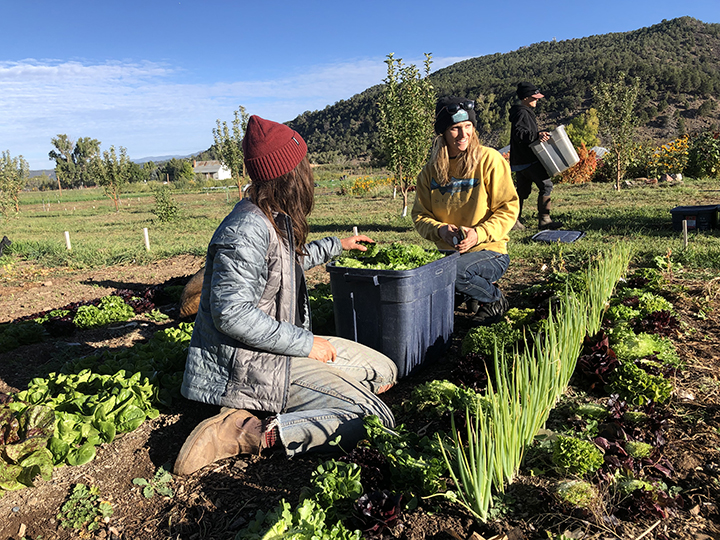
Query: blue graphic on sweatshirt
[455, 185]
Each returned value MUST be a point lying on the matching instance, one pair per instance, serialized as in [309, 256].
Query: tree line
[80, 164]
[675, 61]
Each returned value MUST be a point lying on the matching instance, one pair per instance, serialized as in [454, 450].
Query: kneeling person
[466, 200]
[252, 351]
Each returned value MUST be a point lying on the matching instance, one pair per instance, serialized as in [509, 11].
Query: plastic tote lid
[564, 237]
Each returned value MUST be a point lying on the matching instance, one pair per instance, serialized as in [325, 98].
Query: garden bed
[219, 501]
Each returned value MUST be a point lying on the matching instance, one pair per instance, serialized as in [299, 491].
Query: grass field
[639, 215]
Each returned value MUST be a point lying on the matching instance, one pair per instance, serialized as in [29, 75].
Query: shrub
[583, 129]
[670, 158]
[640, 157]
[606, 170]
[367, 185]
[166, 209]
[704, 156]
[583, 171]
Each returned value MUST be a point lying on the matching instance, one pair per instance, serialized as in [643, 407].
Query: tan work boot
[232, 432]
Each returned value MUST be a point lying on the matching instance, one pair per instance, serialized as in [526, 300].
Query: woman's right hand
[322, 350]
[448, 233]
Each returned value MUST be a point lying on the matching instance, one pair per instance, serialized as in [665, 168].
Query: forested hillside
[677, 61]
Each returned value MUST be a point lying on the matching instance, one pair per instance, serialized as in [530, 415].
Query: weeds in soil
[157, 484]
[84, 510]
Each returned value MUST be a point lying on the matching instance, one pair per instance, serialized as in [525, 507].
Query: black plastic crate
[408, 315]
[701, 218]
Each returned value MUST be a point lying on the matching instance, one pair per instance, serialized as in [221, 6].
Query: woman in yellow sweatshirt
[466, 200]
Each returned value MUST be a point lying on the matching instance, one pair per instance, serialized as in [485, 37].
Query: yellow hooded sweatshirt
[486, 202]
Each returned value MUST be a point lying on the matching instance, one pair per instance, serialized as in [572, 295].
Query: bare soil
[216, 502]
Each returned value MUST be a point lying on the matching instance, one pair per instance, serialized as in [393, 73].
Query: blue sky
[154, 75]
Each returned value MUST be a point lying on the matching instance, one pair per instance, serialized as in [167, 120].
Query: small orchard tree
[13, 177]
[113, 171]
[228, 144]
[615, 102]
[407, 104]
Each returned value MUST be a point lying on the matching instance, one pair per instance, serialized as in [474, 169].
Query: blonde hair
[466, 160]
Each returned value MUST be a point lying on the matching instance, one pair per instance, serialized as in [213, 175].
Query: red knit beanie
[271, 149]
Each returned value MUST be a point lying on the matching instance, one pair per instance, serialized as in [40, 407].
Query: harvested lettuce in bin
[396, 256]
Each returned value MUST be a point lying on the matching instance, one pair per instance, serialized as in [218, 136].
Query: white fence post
[147, 239]
[67, 240]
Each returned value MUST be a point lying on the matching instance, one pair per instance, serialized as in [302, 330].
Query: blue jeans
[327, 400]
[477, 273]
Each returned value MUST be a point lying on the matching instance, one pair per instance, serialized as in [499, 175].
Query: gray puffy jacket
[246, 330]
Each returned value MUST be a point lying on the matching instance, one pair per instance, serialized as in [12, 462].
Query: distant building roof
[207, 166]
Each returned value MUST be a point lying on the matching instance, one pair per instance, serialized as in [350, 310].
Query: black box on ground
[408, 315]
[701, 218]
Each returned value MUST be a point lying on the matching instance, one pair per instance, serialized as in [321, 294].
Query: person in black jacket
[523, 161]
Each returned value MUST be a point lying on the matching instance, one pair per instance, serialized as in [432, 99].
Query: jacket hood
[515, 110]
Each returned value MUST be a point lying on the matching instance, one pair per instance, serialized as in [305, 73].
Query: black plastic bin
[408, 315]
[701, 218]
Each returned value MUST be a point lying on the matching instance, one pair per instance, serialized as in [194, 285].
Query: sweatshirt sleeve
[425, 223]
[525, 128]
[503, 201]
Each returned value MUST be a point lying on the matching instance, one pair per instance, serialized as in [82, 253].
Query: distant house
[212, 169]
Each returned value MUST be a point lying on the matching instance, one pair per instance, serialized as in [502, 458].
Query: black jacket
[524, 130]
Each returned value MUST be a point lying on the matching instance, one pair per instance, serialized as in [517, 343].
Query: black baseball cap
[526, 89]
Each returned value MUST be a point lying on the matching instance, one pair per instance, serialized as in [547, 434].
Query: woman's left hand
[353, 242]
[470, 240]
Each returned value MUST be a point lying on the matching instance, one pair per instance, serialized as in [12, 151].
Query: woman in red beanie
[252, 351]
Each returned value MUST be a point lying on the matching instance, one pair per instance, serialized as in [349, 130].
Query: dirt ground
[216, 502]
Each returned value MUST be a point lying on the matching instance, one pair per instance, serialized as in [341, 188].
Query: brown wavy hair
[467, 160]
[292, 194]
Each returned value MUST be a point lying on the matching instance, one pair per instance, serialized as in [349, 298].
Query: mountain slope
[677, 61]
